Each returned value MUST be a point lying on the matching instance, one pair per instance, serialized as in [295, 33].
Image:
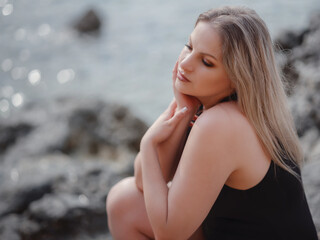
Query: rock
[75, 127]
[15, 198]
[301, 63]
[10, 134]
[315, 151]
[301, 66]
[88, 23]
[300, 48]
[55, 176]
[9, 227]
[290, 39]
[309, 141]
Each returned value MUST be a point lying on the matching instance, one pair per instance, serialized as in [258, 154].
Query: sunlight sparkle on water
[17, 99]
[6, 65]
[4, 105]
[44, 30]
[34, 77]
[7, 9]
[65, 75]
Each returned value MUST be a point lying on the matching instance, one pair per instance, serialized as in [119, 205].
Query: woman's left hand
[165, 125]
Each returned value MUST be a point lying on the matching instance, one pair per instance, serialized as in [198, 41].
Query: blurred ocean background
[61, 154]
[129, 62]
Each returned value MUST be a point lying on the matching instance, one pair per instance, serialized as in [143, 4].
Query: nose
[187, 63]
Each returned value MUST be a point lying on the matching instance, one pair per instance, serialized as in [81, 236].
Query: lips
[182, 77]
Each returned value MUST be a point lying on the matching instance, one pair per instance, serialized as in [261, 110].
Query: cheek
[214, 80]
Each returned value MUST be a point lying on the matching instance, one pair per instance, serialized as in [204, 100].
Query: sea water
[129, 62]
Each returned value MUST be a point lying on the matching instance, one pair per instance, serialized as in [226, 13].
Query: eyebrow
[205, 53]
[209, 55]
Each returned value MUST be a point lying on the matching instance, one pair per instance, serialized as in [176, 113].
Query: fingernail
[184, 109]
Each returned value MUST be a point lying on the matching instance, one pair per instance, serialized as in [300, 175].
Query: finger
[178, 116]
[172, 108]
[169, 112]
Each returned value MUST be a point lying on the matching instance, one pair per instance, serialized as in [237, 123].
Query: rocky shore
[59, 158]
[300, 60]
[58, 161]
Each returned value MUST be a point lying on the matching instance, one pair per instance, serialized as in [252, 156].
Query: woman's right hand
[183, 100]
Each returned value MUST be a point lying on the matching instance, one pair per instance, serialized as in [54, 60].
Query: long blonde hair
[248, 57]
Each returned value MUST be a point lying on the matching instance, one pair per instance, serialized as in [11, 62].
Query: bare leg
[127, 216]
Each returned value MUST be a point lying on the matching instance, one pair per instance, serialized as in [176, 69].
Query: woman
[236, 174]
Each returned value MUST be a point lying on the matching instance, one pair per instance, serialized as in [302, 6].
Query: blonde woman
[235, 174]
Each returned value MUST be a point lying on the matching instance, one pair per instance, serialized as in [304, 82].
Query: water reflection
[34, 77]
[44, 30]
[4, 105]
[65, 75]
[7, 9]
[17, 99]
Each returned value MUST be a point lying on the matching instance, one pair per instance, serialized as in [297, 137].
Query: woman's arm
[205, 165]
[169, 151]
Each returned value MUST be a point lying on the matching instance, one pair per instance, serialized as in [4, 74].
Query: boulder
[301, 64]
[89, 22]
[300, 56]
[59, 164]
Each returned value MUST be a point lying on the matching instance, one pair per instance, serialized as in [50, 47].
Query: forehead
[206, 39]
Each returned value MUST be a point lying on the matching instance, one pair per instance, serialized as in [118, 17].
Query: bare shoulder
[226, 127]
[217, 134]
[224, 118]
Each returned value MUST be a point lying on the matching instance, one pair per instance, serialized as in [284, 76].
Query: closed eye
[207, 63]
[188, 46]
[203, 60]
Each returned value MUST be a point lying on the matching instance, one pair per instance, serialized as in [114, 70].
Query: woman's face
[200, 70]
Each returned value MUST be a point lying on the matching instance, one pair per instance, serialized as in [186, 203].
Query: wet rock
[301, 50]
[301, 66]
[9, 135]
[54, 178]
[15, 198]
[88, 23]
[75, 127]
[300, 61]
[290, 39]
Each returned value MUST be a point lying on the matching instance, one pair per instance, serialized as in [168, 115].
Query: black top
[274, 209]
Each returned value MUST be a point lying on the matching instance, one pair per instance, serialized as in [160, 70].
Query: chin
[183, 88]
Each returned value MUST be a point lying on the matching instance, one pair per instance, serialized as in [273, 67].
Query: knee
[119, 199]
